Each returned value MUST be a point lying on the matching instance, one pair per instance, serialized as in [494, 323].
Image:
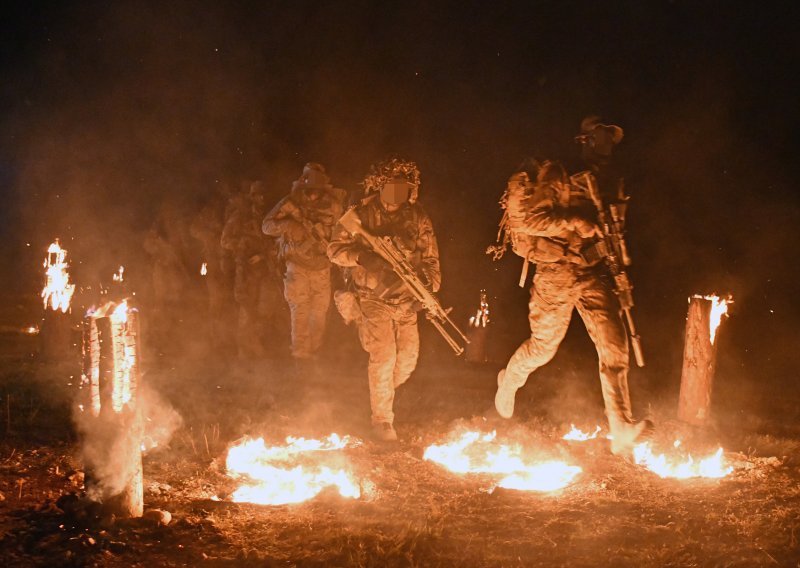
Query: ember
[273, 475]
[57, 290]
[681, 468]
[475, 452]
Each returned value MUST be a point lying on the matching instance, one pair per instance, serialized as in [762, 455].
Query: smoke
[112, 443]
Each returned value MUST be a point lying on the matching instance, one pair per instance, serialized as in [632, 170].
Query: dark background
[110, 109]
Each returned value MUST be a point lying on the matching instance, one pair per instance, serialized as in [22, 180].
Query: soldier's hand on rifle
[584, 228]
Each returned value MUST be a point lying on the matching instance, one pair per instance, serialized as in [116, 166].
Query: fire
[123, 332]
[273, 476]
[118, 277]
[481, 318]
[57, 289]
[680, 468]
[204, 269]
[719, 308]
[475, 452]
[577, 435]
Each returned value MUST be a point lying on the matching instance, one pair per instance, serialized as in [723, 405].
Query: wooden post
[476, 351]
[113, 429]
[699, 363]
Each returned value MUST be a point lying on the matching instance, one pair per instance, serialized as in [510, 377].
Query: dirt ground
[412, 512]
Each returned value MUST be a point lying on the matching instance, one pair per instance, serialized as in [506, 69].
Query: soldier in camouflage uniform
[563, 220]
[256, 268]
[302, 222]
[388, 330]
[207, 228]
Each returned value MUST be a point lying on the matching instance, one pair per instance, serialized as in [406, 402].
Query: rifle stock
[383, 246]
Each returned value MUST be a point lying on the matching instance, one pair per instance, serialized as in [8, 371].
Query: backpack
[515, 203]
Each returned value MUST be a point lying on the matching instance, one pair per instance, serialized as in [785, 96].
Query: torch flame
[577, 435]
[719, 308]
[57, 289]
[481, 318]
[119, 275]
[271, 478]
[710, 467]
[204, 269]
[475, 452]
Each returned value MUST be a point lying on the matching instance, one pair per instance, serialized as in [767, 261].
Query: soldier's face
[394, 193]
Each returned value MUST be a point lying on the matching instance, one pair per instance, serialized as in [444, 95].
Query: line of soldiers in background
[263, 275]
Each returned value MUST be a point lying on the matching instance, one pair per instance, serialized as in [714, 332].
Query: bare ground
[412, 512]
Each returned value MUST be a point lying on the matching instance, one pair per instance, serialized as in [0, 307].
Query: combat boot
[626, 435]
[384, 432]
[504, 399]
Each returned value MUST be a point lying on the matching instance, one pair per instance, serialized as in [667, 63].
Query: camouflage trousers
[258, 296]
[308, 293]
[390, 335]
[557, 290]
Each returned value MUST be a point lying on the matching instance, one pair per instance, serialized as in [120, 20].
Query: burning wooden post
[700, 357]
[478, 333]
[56, 295]
[113, 428]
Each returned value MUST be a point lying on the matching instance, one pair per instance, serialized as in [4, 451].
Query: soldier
[388, 330]
[164, 242]
[256, 267]
[303, 221]
[563, 221]
[207, 228]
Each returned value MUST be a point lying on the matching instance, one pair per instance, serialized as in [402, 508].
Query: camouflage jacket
[553, 207]
[304, 227]
[410, 229]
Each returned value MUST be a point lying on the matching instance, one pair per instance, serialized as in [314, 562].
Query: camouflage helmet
[382, 172]
[593, 122]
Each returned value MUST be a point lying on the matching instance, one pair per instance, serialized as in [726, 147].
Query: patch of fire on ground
[271, 468]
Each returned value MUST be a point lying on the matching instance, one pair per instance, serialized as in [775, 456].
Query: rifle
[614, 252]
[386, 249]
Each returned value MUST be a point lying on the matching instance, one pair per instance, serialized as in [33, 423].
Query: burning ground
[410, 510]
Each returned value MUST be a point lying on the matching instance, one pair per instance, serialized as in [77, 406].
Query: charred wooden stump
[112, 426]
[699, 360]
[476, 350]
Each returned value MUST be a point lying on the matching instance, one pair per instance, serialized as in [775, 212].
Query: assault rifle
[614, 252]
[386, 249]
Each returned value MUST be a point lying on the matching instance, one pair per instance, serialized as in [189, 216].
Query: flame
[475, 452]
[719, 308]
[272, 476]
[123, 342]
[577, 435]
[680, 468]
[204, 269]
[57, 290]
[481, 318]
[118, 277]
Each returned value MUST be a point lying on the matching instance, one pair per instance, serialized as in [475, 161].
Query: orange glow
[272, 475]
[481, 318]
[577, 435]
[57, 292]
[719, 308]
[712, 466]
[476, 452]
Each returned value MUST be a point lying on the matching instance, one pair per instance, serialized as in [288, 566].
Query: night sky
[111, 108]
